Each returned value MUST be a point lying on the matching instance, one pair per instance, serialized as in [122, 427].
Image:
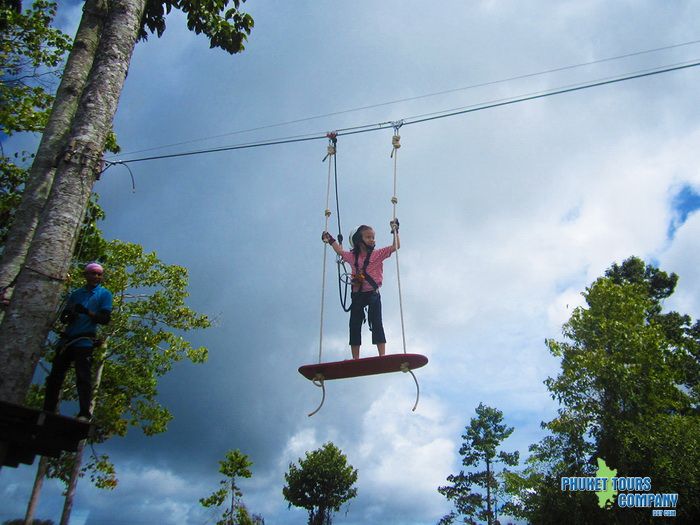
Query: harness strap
[364, 275]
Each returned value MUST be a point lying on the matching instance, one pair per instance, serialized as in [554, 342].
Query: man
[86, 308]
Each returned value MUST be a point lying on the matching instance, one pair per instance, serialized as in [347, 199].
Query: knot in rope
[328, 212]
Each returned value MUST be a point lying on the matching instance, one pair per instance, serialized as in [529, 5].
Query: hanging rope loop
[319, 381]
[405, 368]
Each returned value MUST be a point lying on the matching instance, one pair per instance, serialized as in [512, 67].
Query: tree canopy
[629, 394]
[482, 438]
[321, 483]
[234, 465]
[31, 56]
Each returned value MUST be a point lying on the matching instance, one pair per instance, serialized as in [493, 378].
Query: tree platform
[27, 432]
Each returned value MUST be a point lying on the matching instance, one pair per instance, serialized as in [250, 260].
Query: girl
[368, 267]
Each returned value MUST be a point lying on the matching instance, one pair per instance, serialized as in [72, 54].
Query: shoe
[83, 417]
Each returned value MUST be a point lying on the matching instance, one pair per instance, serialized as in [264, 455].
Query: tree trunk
[39, 285]
[72, 484]
[36, 490]
[489, 515]
[53, 142]
[75, 474]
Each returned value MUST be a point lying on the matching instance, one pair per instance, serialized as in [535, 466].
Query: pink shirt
[375, 268]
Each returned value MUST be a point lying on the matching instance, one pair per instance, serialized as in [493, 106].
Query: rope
[343, 274]
[396, 144]
[318, 380]
[327, 213]
[404, 368]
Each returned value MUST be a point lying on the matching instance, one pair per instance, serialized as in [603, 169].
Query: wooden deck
[27, 432]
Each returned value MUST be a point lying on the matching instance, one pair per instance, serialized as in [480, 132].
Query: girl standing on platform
[368, 269]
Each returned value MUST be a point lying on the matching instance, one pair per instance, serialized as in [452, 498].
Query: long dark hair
[357, 239]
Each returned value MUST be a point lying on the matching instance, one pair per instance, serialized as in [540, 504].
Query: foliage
[143, 342]
[629, 394]
[482, 438]
[235, 465]
[12, 178]
[226, 28]
[321, 483]
[31, 53]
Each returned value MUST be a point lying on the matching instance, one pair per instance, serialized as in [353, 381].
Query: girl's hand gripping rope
[327, 237]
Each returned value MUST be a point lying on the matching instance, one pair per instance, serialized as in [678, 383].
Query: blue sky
[506, 216]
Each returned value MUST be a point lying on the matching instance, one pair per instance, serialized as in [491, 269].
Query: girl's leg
[357, 315]
[375, 321]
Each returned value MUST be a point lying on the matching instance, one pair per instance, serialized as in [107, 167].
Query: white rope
[319, 381]
[404, 369]
[327, 213]
[396, 143]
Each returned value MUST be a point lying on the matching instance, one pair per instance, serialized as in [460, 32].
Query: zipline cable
[425, 117]
[558, 91]
[418, 97]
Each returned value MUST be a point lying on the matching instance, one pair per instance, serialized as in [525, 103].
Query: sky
[507, 214]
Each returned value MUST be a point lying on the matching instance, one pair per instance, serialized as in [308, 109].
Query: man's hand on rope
[394, 224]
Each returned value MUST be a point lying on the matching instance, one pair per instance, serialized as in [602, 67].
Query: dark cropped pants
[82, 359]
[373, 302]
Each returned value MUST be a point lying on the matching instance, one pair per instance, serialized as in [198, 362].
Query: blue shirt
[97, 299]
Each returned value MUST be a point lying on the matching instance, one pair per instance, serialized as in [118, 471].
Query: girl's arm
[397, 241]
[394, 224]
[337, 247]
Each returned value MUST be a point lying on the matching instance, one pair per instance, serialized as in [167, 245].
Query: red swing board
[366, 366]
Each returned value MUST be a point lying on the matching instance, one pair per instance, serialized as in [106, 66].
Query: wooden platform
[363, 367]
[28, 432]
